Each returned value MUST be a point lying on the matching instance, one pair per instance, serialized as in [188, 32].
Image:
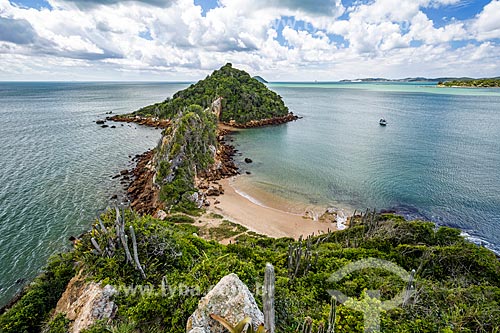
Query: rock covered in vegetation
[187, 148]
[84, 303]
[231, 300]
[243, 98]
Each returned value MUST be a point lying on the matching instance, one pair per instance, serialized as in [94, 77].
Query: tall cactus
[268, 298]
[136, 254]
[120, 230]
[410, 288]
[332, 315]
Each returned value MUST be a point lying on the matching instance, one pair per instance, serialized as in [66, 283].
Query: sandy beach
[264, 220]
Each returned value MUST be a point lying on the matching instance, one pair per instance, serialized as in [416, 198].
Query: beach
[262, 219]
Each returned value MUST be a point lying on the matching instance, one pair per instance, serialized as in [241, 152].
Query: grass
[225, 230]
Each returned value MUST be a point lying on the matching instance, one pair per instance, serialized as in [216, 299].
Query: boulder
[212, 192]
[84, 303]
[100, 122]
[231, 300]
[248, 160]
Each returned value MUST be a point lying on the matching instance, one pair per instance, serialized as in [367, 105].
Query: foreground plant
[239, 328]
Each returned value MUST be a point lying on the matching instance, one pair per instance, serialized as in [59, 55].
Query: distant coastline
[479, 83]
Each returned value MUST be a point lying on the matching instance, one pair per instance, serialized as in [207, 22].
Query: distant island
[472, 83]
[260, 79]
[460, 81]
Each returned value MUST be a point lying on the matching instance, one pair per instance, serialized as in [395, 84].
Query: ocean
[56, 164]
[437, 159]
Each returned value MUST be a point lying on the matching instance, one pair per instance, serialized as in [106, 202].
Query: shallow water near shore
[437, 159]
[56, 164]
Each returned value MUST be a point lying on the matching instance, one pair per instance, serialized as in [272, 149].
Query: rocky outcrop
[146, 121]
[223, 166]
[84, 303]
[142, 192]
[264, 122]
[231, 300]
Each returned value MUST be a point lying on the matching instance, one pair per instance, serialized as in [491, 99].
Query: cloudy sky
[281, 40]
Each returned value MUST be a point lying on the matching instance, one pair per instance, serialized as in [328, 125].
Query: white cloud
[281, 38]
[487, 23]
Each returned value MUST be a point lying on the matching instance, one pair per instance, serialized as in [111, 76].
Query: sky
[280, 40]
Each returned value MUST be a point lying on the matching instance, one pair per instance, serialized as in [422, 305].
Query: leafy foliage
[32, 310]
[187, 147]
[240, 327]
[480, 83]
[60, 324]
[457, 283]
[244, 98]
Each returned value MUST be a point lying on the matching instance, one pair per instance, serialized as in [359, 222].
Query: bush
[32, 310]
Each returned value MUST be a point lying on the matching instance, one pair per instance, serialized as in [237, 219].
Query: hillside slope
[243, 98]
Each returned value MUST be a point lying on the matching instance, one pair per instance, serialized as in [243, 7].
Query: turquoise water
[438, 158]
[56, 164]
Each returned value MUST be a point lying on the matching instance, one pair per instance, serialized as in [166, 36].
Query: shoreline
[249, 212]
[264, 213]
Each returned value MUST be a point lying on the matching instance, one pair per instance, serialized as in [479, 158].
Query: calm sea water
[438, 158]
[56, 164]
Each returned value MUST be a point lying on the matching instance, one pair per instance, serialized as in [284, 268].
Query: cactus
[103, 227]
[306, 326]
[120, 231]
[410, 288]
[136, 255]
[332, 315]
[96, 246]
[268, 298]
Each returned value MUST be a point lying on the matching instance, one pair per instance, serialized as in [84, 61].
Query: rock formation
[84, 303]
[231, 300]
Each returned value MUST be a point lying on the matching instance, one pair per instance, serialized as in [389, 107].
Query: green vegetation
[240, 327]
[457, 283]
[225, 230]
[179, 218]
[215, 216]
[41, 296]
[60, 324]
[244, 98]
[479, 83]
[187, 147]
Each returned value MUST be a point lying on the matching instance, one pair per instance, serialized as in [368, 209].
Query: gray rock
[231, 300]
[161, 215]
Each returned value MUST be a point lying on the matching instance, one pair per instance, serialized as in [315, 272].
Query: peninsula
[152, 267]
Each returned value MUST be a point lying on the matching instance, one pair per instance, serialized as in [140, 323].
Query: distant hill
[410, 79]
[243, 98]
[260, 79]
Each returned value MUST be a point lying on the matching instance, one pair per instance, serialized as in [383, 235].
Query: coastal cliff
[152, 268]
[192, 153]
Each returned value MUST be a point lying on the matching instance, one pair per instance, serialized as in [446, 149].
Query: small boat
[382, 122]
